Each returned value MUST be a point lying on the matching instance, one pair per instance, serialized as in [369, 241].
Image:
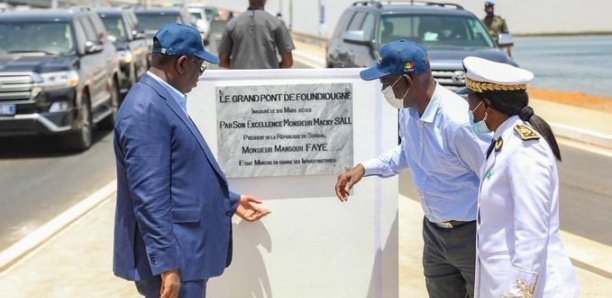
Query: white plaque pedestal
[312, 245]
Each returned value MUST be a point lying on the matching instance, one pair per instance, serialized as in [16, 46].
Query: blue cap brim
[372, 73]
[208, 57]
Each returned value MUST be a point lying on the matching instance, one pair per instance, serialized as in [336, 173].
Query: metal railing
[319, 41]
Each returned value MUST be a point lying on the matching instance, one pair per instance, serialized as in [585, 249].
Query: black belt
[450, 224]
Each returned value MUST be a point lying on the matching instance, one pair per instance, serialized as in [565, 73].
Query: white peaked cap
[485, 75]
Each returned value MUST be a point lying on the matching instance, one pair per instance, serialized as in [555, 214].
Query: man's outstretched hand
[347, 180]
[250, 208]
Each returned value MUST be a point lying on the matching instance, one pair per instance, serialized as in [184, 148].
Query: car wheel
[109, 122]
[80, 140]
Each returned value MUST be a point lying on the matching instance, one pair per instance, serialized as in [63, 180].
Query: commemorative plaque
[285, 130]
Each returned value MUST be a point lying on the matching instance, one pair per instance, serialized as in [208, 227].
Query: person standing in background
[255, 39]
[495, 23]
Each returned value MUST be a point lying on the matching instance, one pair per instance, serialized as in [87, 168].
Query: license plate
[7, 109]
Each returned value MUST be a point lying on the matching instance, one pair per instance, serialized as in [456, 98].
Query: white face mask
[389, 95]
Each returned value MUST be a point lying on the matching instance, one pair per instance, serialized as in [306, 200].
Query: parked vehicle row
[150, 20]
[203, 15]
[63, 72]
[58, 75]
[122, 27]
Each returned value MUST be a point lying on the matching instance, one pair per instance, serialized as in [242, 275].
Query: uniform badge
[499, 143]
[526, 132]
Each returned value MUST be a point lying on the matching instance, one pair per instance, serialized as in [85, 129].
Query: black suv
[122, 27]
[152, 19]
[58, 75]
[449, 32]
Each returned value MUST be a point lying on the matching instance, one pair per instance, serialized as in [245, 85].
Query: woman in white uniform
[519, 249]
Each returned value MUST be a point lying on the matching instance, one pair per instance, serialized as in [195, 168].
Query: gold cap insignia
[480, 87]
[526, 132]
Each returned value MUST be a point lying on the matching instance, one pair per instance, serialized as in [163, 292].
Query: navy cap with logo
[178, 40]
[397, 58]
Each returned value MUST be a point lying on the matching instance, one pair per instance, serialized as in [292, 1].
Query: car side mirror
[356, 37]
[505, 40]
[93, 47]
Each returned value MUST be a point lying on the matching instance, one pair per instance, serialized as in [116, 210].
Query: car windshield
[115, 27]
[36, 38]
[153, 22]
[435, 30]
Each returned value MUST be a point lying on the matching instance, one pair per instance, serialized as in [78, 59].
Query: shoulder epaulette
[526, 132]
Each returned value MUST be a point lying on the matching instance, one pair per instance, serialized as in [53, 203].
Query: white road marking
[586, 147]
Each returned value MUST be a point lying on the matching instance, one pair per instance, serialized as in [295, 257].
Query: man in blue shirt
[438, 145]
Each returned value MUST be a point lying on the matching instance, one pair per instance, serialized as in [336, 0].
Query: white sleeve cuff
[523, 283]
[371, 167]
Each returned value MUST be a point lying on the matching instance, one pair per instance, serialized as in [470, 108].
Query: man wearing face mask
[444, 156]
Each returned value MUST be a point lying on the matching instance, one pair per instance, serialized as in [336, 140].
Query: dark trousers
[150, 288]
[449, 257]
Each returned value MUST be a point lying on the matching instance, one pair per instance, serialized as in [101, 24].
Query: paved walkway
[77, 262]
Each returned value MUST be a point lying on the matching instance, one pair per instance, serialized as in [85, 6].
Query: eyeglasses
[387, 80]
[200, 64]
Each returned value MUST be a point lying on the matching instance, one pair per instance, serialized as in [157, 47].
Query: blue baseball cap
[397, 58]
[178, 39]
